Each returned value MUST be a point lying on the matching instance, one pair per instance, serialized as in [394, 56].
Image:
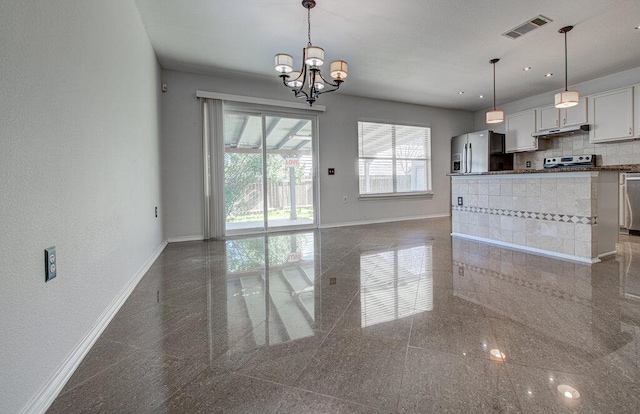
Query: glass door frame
[281, 113]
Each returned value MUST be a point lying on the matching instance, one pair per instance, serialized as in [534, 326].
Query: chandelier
[309, 83]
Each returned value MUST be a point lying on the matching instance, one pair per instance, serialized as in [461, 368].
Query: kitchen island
[570, 214]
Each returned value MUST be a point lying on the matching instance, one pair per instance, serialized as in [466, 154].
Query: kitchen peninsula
[570, 214]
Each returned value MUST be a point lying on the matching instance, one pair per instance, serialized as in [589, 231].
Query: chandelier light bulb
[295, 79]
[284, 63]
[339, 69]
[315, 56]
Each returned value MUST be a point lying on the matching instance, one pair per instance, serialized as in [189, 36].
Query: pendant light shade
[566, 98]
[494, 116]
[284, 63]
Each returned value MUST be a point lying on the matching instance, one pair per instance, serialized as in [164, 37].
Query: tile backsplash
[615, 153]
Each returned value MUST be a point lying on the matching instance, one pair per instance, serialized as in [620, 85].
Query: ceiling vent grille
[526, 27]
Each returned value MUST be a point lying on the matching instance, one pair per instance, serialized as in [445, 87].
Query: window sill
[366, 197]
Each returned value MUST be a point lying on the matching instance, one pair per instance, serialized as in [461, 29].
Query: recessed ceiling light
[548, 75]
[461, 93]
[526, 69]
[480, 96]
[637, 27]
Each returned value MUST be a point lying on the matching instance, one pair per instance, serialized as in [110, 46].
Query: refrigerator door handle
[629, 216]
[464, 158]
[470, 158]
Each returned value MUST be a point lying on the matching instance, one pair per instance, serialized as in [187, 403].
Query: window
[394, 159]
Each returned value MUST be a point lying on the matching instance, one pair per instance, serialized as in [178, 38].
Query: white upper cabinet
[550, 117]
[612, 115]
[519, 127]
[576, 115]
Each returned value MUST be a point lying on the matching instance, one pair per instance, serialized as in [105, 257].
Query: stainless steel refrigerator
[479, 152]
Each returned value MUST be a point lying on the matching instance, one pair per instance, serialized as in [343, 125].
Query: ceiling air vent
[527, 26]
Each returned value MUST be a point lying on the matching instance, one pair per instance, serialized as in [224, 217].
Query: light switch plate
[50, 263]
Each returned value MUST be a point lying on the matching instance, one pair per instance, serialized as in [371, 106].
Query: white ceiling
[417, 51]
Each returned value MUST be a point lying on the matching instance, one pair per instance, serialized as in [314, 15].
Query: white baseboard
[385, 220]
[520, 248]
[185, 239]
[48, 393]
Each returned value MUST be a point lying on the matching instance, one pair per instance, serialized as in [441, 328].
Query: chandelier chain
[309, 25]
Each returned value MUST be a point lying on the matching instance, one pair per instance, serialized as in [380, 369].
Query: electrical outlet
[528, 164]
[50, 263]
[344, 199]
[461, 271]
[460, 201]
[156, 211]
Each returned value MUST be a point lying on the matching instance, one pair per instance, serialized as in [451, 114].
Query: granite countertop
[619, 168]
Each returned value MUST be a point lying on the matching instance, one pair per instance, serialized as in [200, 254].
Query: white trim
[185, 239]
[259, 101]
[392, 196]
[527, 249]
[607, 254]
[386, 220]
[518, 176]
[48, 393]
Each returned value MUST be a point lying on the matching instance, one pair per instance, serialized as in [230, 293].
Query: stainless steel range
[570, 161]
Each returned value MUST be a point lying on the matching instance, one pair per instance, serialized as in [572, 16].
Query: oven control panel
[570, 161]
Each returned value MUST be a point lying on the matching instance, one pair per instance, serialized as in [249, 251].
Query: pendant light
[566, 98]
[494, 116]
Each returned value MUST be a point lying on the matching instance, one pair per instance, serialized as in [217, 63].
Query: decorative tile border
[566, 218]
[555, 293]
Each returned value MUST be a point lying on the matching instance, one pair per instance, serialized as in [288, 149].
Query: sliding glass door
[268, 171]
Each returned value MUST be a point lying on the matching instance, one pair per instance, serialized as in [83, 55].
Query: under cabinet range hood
[562, 132]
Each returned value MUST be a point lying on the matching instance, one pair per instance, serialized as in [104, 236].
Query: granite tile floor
[395, 317]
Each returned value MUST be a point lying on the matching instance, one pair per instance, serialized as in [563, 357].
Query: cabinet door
[612, 115]
[636, 106]
[519, 128]
[576, 115]
[548, 118]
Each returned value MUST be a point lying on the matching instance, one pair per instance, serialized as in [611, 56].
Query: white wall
[181, 143]
[79, 169]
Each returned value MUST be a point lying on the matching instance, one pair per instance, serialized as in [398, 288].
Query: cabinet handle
[556, 122]
[564, 121]
[630, 131]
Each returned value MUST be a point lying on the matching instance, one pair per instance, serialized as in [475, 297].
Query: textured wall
[79, 169]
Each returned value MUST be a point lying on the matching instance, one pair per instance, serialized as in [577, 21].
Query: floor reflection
[395, 284]
[274, 276]
[395, 317]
